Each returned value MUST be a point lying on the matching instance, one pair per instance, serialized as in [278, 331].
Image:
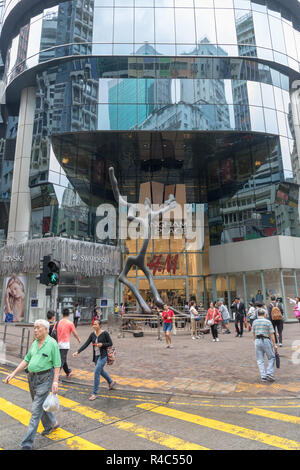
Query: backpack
[276, 313]
[53, 332]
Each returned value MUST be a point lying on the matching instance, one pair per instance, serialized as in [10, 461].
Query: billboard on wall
[14, 298]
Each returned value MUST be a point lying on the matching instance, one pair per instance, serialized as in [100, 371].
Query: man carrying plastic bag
[43, 365]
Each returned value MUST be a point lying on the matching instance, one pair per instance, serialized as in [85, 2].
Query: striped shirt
[263, 327]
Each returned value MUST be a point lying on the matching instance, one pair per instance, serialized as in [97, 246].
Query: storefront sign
[89, 259]
[163, 263]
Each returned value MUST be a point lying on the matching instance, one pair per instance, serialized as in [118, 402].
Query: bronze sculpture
[139, 260]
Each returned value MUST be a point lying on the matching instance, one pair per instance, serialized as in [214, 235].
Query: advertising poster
[14, 298]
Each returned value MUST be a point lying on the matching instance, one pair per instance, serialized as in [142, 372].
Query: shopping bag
[51, 404]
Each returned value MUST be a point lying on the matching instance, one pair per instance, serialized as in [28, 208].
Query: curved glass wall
[160, 28]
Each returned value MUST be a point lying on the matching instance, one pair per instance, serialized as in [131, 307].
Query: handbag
[111, 355]
[211, 322]
[297, 312]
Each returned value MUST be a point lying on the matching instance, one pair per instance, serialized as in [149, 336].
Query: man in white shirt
[225, 315]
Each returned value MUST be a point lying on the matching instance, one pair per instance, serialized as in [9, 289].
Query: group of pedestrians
[45, 359]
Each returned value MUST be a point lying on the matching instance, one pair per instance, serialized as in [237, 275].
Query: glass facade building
[196, 98]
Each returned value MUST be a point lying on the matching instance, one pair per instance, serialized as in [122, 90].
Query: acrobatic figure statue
[139, 260]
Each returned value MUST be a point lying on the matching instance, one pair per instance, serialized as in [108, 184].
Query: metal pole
[245, 290]
[283, 293]
[263, 287]
[22, 342]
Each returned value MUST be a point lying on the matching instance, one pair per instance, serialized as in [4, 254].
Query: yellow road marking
[274, 415]
[239, 431]
[23, 416]
[152, 435]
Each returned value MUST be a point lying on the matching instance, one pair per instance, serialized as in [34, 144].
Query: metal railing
[15, 344]
[152, 324]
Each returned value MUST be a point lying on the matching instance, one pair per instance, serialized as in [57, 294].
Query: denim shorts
[167, 327]
[226, 321]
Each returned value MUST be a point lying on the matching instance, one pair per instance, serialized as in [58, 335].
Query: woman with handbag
[100, 340]
[212, 319]
[296, 302]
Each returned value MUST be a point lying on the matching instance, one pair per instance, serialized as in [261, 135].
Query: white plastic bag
[51, 404]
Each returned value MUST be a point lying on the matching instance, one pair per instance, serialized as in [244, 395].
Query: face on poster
[14, 298]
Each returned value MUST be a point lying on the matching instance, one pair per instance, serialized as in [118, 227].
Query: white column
[20, 204]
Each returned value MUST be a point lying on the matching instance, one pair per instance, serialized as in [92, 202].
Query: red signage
[162, 263]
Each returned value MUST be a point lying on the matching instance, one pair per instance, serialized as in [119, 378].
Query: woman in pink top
[212, 319]
[64, 330]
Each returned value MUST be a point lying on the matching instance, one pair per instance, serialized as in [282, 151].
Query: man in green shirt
[43, 365]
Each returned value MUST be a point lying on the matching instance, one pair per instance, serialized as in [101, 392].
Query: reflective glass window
[257, 119]
[205, 26]
[281, 124]
[204, 3]
[103, 18]
[144, 3]
[290, 40]
[144, 25]
[164, 3]
[277, 34]
[245, 4]
[278, 99]
[259, 6]
[185, 25]
[285, 154]
[124, 3]
[123, 25]
[271, 121]
[262, 30]
[184, 3]
[268, 96]
[223, 3]
[164, 25]
[254, 94]
[226, 30]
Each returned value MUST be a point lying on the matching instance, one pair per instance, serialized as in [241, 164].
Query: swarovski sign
[89, 259]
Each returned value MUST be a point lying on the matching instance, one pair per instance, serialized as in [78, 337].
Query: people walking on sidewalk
[43, 365]
[168, 318]
[193, 316]
[97, 315]
[239, 310]
[76, 315]
[296, 303]
[263, 334]
[100, 340]
[51, 317]
[64, 330]
[225, 315]
[252, 313]
[213, 318]
[276, 315]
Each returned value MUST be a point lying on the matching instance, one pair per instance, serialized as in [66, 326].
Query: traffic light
[53, 271]
[49, 271]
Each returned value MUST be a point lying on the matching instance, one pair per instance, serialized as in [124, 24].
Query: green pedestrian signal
[53, 279]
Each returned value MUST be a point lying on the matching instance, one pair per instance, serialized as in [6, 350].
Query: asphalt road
[132, 420]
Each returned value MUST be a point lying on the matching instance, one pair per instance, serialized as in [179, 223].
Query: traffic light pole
[53, 300]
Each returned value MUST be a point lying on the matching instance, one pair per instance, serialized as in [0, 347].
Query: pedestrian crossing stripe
[274, 415]
[274, 441]
[161, 438]
[70, 440]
